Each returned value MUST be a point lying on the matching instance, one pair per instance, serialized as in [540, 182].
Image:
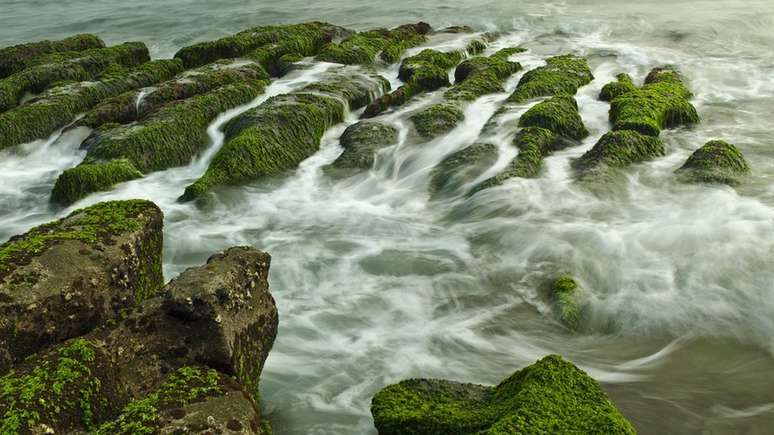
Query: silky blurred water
[375, 283]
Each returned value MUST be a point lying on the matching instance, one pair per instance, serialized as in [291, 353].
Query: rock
[661, 103]
[561, 75]
[482, 75]
[566, 297]
[558, 114]
[551, 396]
[266, 44]
[139, 103]
[171, 137]
[362, 48]
[361, 141]
[437, 119]
[622, 85]
[617, 149]
[286, 129]
[18, 57]
[715, 162]
[59, 105]
[65, 278]
[461, 168]
[87, 66]
[220, 316]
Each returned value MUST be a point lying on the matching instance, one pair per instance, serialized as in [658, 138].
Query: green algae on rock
[617, 149]
[461, 168]
[83, 268]
[59, 105]
[361, 141]
[286, 129]
[715, 162]
[275, 41]
[565, 296]
[437, 119]
[18, 57]
[561, 75]
[76, 183]
[620, 86]
[364, 47]
[137, 104]
[551, 396]
[483, 75]
[662, 102]
[533, 143]
[558, 114]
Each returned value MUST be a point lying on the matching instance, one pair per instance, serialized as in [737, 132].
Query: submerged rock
[617, 149]
[362, 48]
[461, 168]
[67, 277]
[533, 143]
[171, 137]
[361, 141]
[558, 114]
[552, 396]
[18, 57]
[622, 85]
[561, 75]
[566, 297]
[715, 162]
[59, 105]
[437, 119]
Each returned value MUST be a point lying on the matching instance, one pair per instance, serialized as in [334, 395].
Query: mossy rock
[437, 119]
[62, 279]
[715, 162]
[76, 183]
[561, 75]
[618, 149]
[481, 75]
[58, 106]
[129, 107]
[620, 86]
[275, 40]
[566, 297]
[661, 103]
[558, 114]
[364, 47]
[461, 168]
[361, 141]
[18, 57]
[552, 396]
[533, 143]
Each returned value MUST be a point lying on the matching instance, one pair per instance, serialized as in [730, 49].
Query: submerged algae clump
[362, 48]
[552, 396]
[622, 85]
[18, 57]
[461, 168]
[361, 141]
[437, 119]
[565, 296]
[561, 75]
[715, 162]
[558, 114]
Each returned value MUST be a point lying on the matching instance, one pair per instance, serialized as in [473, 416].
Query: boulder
[561, 75]
[558, 114]
[437, 119]
[618, 149]
[483, 75]
[715, 162]
[620, 86]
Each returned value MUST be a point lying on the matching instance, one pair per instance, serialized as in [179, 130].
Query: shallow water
[375, 283]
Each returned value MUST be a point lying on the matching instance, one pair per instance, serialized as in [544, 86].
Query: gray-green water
[375, 284]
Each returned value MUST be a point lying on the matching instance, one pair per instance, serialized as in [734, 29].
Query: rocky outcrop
[65, 278]
[558, 114]
[18, 57]
[551, 396]
[361, 141]
[437, 119]
[622, 85]
[561, 75]
[715, 162]
[365, 47]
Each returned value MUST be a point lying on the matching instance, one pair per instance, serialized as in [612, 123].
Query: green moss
[92, 225]
[61, 390]
[16, 58]
[483, 75]
[715, 162]
[551, 396]
[279, 40]
[533, 143]
[617, 149]
[622, 85]
[184, 386]
[558, 114]
[303, 41]
[59, 106]
[661, 103]
[561, 75]
[565, 296]
[124, 108]
[76, 183]
[363, 48]
[361, 141]
[461, 168]
[437, 119]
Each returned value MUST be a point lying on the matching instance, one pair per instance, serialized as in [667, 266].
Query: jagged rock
[715, 162]
[622, 85]
[551, 396]
[362, 48]
[361, 141]
[558, 114]
[65, 278]
[561, 75]
[59, 105]
[437, 119]
[16, 58]
[461, 168]
[220, 315]
[286, 129]
[617, 149]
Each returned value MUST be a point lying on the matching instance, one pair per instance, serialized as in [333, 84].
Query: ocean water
[375, 283]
